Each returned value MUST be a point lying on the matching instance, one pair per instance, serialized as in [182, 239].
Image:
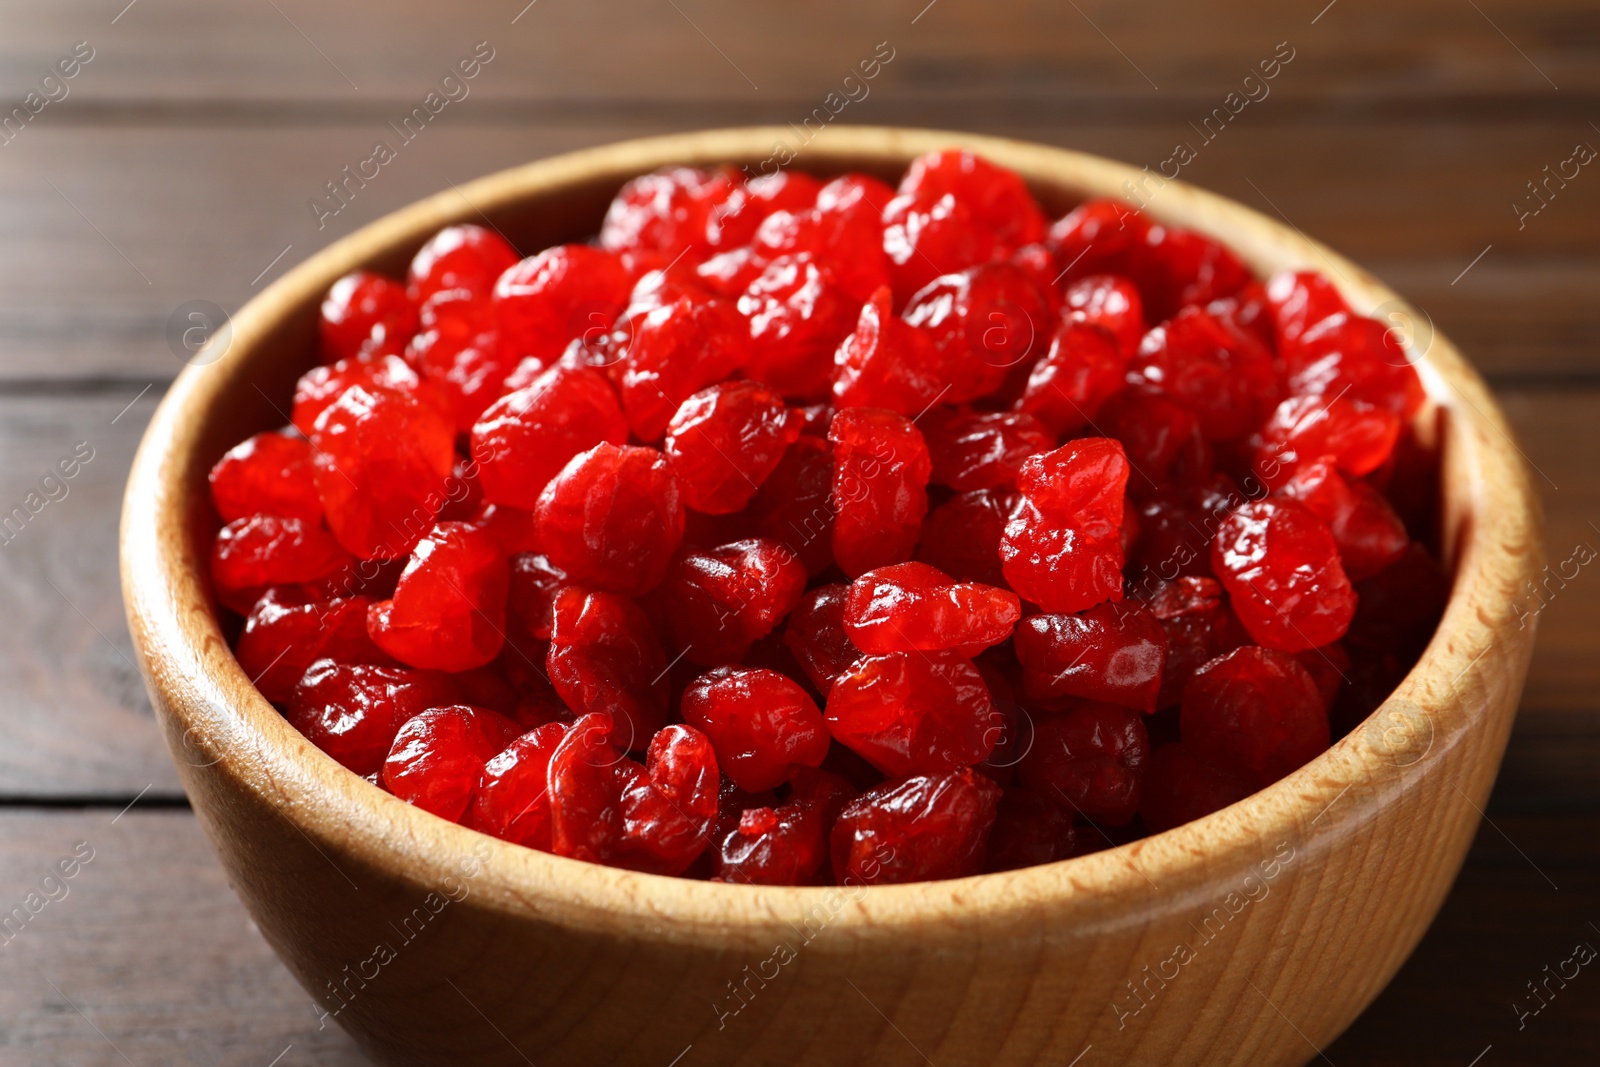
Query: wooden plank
[300, 51]
[76, 720]
[110, 227]
[159, 957]
[148, 957]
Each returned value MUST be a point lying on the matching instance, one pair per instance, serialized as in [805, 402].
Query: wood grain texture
[574, 53]
[579, 963]
[112, 227]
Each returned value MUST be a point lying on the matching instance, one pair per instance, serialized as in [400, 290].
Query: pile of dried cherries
[803, 532]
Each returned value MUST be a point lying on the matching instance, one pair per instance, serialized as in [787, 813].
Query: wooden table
[181, 164]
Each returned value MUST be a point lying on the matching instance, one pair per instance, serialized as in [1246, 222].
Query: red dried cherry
[761, 724]
[284, 634]
[962, 536]
[524, 439]
[1028, 830]
[353, 711]
[913, 712]
[612, 518]
[1062, 548]
[785, 844]
[880, 477]
[1113, 653]
[980, 449]
[675, 351]
[798, 318]
[448, 611]
[512, 800]
[1369, 534]
[816, 636]
[268, 474]
[564, 292]
[997, 197]
[668, 211]
[381, 462]
[1356, 436]
[1254, 713]
[1222, 375]
[1281, 568]
[459, 257]
[1091, 758]
[1109, 302]
[983, 322]
[361, 307]
[438, 756]
[886, 363]
[1082, 369]
[263, 550]
[912, 607]
[715, 603]
[794, 505]
[917, 830]
[724, 441]
[604, 656]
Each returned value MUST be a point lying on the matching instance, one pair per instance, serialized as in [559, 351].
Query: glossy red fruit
[459, 257]
[1179, 787]
[382, 460]
[359, 306]
[886, 364]
[284, 634]
[794, 505]
[1199, 627]
[1109, 302]
[980, 449]
[913, 712]
[1298, 301]
[535, 583]
[1062, 547]
[585, 775]
[1029, 830]
[1091, 758]
[715, 603]
[524, 439]
[761, 724]
[984, 322]
[1358, 358]
[353, 711]
[565, 292]
[438, 756]
[1176, 268]
[1281, 568]
[252, 554]
[734, 221]
[461, 354]
[921, 829]
[319, 387]
[962, 536]
[605, 657]
[674, 352]
[1356, 436]
[1082, 369]
[785, 844]
[816, 636]
[268, 474]
[612, 518]
[512, 800]
[1369, 534]
[912, 607]
[880, 476]
[724, 441]
[1113, 653]
[1254, 713]
[927, 235]
[798, 318]
[997, 197]
[1224, 376]
[843, 230]
[1162, 438]
[1096, 236]
[448, 611]
[668, 211]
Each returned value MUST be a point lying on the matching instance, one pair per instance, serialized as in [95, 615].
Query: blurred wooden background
[178, 164]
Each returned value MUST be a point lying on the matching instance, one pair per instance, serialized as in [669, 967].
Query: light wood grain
[581, 963]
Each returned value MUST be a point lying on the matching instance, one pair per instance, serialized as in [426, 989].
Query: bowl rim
[219, 716]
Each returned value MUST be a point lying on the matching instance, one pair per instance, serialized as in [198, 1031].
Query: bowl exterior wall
[1251, 937]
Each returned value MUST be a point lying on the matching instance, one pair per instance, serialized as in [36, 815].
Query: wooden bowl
[1252, 936]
